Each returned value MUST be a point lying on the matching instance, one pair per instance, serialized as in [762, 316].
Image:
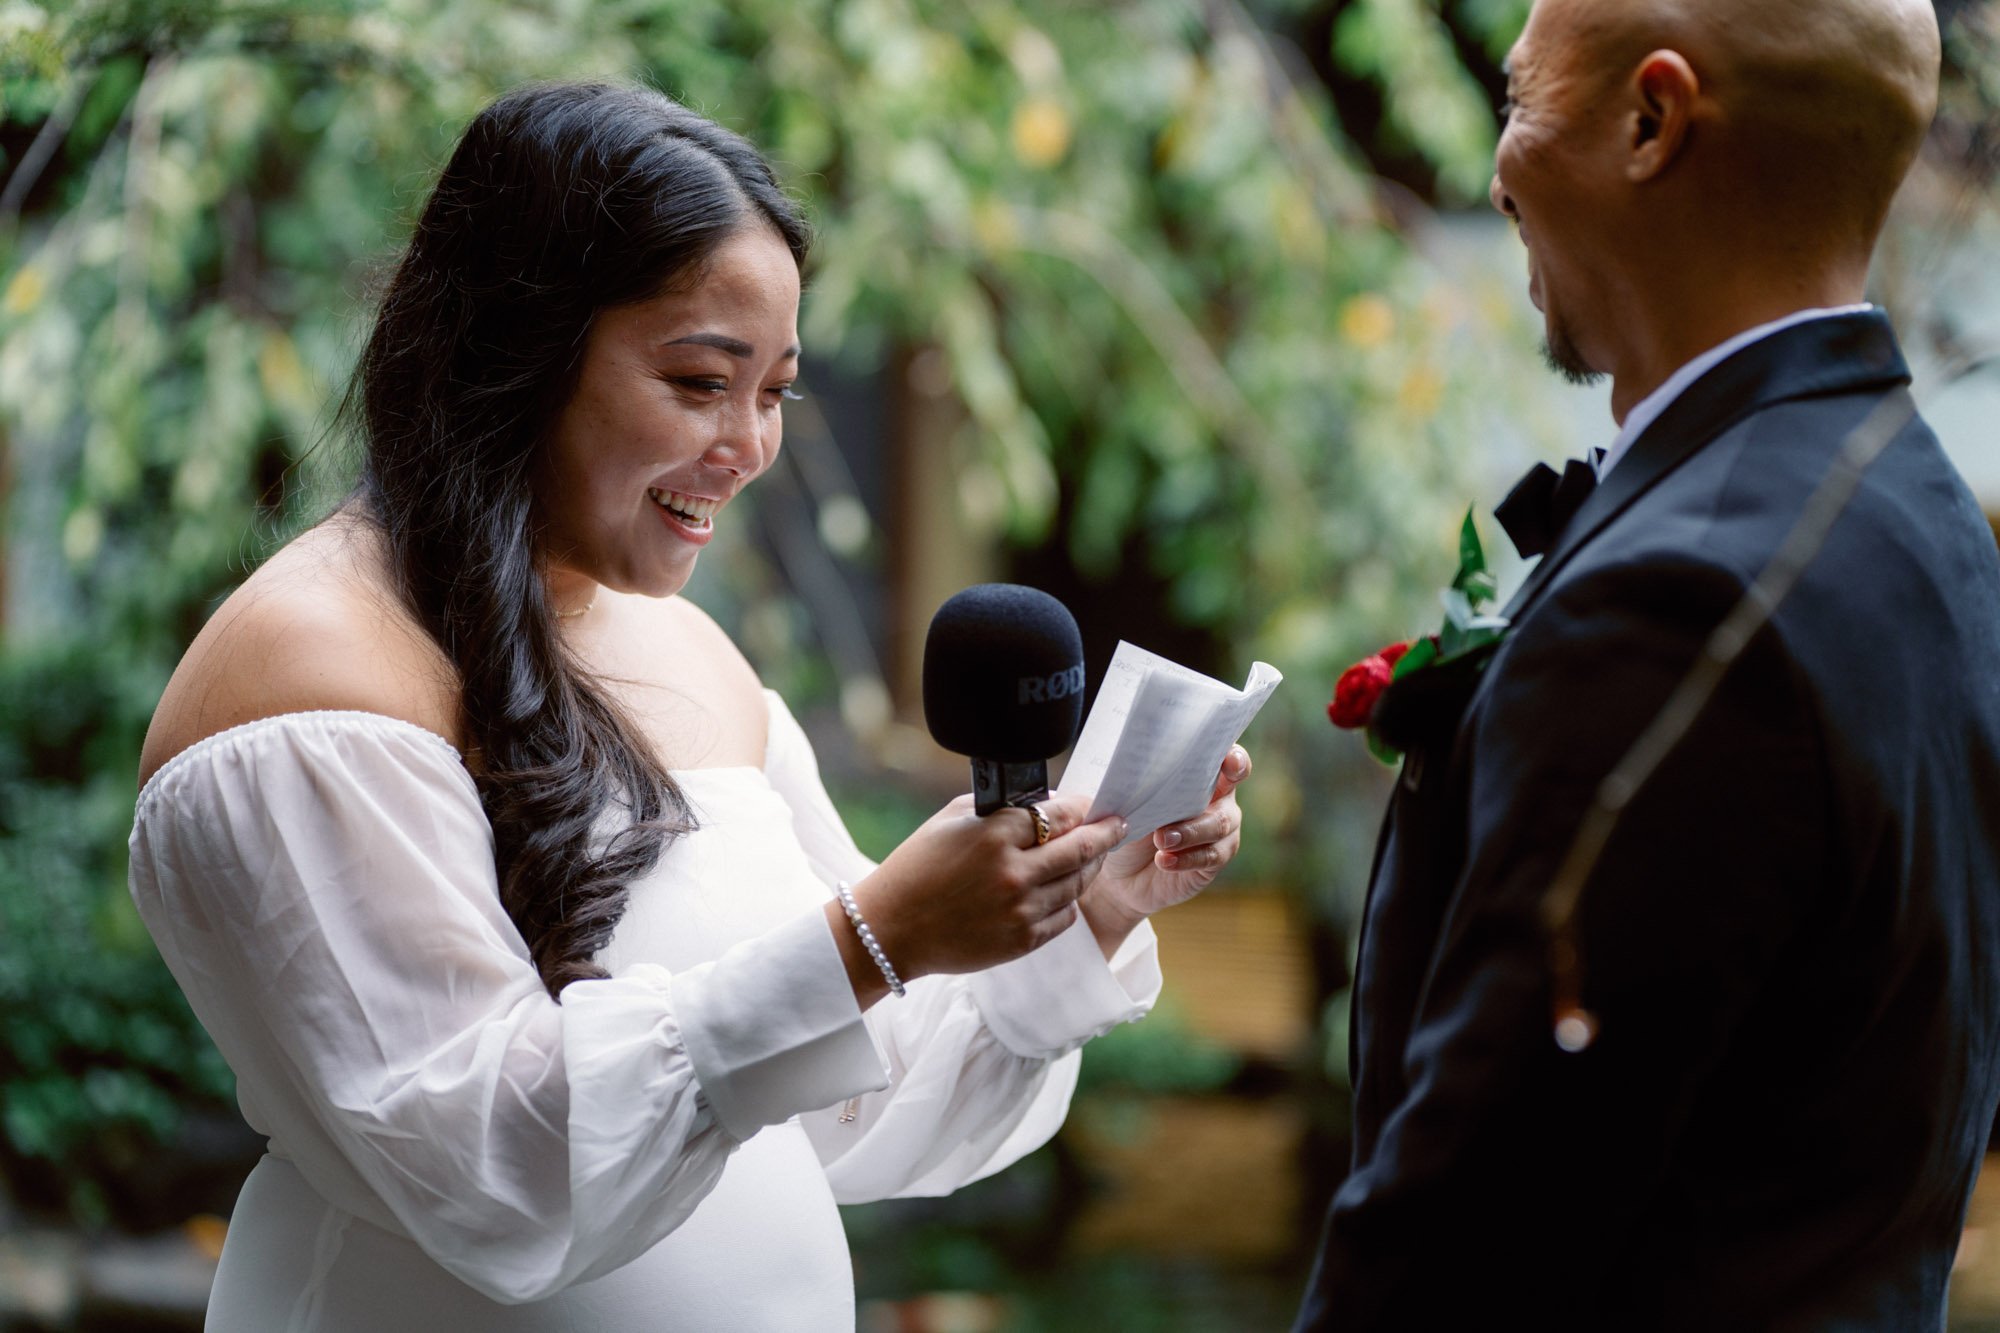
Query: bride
[512, 898]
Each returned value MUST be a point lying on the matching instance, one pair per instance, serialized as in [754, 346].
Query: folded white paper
[1155, 739]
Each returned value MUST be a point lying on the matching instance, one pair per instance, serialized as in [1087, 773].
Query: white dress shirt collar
[1659, 400]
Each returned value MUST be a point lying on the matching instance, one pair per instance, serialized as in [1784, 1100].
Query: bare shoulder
[717, 668]
[683, 680]
[697, 629]
[317, 627]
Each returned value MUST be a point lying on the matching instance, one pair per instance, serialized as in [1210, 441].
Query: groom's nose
[1499, 196]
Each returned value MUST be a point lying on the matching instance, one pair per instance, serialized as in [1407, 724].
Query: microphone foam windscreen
[1003, 674]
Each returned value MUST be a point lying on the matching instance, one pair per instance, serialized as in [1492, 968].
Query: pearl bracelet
[868, 940]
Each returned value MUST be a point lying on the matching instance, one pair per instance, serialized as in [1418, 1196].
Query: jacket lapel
[1837, 354]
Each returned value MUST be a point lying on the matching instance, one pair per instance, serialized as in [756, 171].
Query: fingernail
[1172, 838]
[1123, 829]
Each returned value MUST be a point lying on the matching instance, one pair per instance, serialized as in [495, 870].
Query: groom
[1790, 946]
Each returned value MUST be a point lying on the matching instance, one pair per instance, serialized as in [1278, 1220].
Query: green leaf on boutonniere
[1482, 632]
[1385, 753]
[1474, 580]
[1459, 614]
[1422, 653]
[1415, 713]
[1471, 552]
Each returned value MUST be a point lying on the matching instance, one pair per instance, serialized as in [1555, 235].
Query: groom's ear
[1664, 95]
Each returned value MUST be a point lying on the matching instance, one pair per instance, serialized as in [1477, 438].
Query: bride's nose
[744, 444]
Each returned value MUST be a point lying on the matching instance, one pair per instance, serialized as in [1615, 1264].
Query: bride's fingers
[1226, 826]
[1222, 818]
[1198, 854]
[1235, 768]
[1080, 847]
[1064, 814]
[1055, 896]
[1054, 924]
[1041, 828]
[1214, 856]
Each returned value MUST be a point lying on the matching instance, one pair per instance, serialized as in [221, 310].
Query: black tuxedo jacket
[1792, 942]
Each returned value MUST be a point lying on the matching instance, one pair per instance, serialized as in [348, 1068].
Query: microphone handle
[995, 785]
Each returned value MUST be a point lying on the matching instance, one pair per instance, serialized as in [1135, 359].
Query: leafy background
[1173, 282]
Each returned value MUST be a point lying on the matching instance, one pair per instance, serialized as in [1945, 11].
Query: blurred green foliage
[99, 1053]
[1431, 108]
[1182, 326]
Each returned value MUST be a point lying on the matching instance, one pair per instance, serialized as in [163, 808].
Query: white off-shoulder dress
[452, 1150]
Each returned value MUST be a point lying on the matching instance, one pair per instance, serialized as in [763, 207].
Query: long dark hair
[559, 202]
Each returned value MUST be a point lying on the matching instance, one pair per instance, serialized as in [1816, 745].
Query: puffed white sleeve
[981, 1066]
[322, 885]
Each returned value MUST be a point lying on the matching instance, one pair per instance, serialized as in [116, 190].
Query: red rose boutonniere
[1462, 645]
[1361, 685]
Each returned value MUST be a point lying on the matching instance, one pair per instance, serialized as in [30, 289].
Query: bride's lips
[689, 517]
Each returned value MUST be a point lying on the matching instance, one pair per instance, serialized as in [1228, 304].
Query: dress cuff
[773, 1029]
[1063, 994]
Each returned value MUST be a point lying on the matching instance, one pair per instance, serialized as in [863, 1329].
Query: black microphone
[1003, 685]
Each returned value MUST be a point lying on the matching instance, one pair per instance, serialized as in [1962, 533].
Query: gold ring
[1041, 823]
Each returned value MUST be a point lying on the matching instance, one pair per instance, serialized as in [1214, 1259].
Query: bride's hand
[1174, 864]
[965, 892]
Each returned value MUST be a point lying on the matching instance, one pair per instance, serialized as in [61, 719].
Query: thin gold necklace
[581, 610]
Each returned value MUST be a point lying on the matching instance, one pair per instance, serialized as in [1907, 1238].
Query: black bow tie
[1542, 503]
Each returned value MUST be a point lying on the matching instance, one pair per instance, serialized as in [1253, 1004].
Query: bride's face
[677, 408]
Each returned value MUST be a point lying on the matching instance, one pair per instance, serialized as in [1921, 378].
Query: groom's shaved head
[1823, 103]
[1681, 170]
